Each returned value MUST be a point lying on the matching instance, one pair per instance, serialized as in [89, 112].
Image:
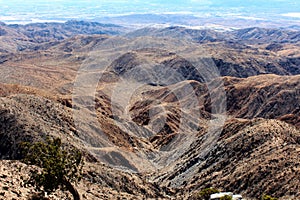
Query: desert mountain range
[158, 113]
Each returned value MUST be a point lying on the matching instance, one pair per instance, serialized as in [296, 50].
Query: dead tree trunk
[72, 190]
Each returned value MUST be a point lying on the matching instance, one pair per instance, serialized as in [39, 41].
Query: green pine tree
[60, 166]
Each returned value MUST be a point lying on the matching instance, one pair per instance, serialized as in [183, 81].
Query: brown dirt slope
[251, 157]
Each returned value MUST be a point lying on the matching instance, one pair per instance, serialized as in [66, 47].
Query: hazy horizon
[22, 12]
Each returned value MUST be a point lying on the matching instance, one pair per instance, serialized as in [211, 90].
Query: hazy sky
[16, 10]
